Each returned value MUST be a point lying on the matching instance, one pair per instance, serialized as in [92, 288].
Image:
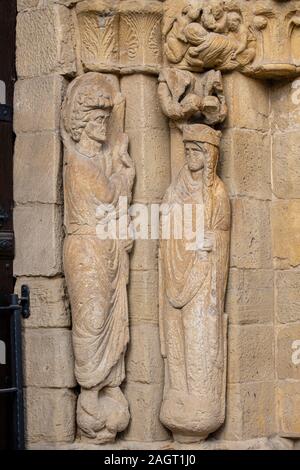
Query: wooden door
[7, 79]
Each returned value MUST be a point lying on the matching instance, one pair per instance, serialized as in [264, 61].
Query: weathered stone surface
[38, 232]
[144, 363]
[251, 234]
[287, 299]
[285, 165]
[250, 411]
[24, 4]
[286, 233]
[143, 297]
[248, 102]
[288, 405]
[98, 171]
[285, 110]
[50, 415]
[287, 357]
[142, 105]
[144, 255]
[37, 161]
[144, 402]
[250, 353]
[48, 358]
[192, 285]
[245, 163]
[49, 306]
[37, 103]
[150, 151]
[45, 42]
[249, 297]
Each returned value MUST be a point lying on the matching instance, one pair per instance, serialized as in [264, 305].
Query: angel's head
[87, 109]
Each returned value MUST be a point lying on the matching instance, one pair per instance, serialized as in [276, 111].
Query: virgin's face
[96, 128]
[195, 156]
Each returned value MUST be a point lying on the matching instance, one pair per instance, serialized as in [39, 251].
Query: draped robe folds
[96, 272]
[192, 323]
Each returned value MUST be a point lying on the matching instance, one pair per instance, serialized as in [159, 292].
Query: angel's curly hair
[78, 105]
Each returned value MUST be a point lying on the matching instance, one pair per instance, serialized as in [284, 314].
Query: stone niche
[142, 344]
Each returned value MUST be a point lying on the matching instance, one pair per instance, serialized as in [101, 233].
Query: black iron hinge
[6, 113]
[20, 304]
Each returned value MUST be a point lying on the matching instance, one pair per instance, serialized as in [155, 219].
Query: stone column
[148, 132]
[43, 58]
[286, 252]
[245, 169]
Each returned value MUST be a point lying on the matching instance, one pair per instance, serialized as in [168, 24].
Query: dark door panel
[7, 75]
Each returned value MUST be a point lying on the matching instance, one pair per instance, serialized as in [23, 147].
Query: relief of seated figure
[219, 39]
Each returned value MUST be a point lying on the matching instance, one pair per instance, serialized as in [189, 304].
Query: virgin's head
[201, 148]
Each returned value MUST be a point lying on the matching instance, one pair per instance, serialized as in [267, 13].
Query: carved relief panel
[259, 38]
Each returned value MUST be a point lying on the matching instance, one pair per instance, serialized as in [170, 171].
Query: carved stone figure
[205, 36]
[189, 97]
[96, 270]
[192, 289]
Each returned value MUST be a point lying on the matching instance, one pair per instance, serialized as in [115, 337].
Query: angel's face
[96, 128]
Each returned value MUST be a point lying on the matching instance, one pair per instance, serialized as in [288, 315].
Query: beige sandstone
[250, 112]
[48, 53]
[143, 109]
[286, 233]
[285, 165]
[144, 256]
[251, 234]
[250, 353]
[144, 361]
[249, 297]
[287, 339]
[48, 358]
[143, 298]
[39, 250]
[37, 103]
[288, 403]
[287, 301]
[250, 411]
[285, 113]
[50, 414]
[245, 163]
[43, 153]
[49, 306]
[144, 402]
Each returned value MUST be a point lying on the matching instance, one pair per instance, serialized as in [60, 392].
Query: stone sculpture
[189, 97]
[205, 36]
[192, 283]
[96, 172]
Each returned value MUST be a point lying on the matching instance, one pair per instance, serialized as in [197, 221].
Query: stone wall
[259, 165]
[45, 60]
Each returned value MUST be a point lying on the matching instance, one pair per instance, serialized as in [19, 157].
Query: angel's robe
[96, 272]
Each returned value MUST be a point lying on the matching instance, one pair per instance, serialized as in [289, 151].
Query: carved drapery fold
[193, 277]
[97, 172]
